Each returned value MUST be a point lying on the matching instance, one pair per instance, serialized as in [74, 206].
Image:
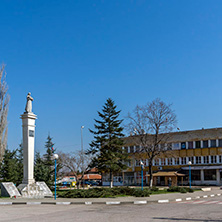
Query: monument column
[28, 131]
[29, 188]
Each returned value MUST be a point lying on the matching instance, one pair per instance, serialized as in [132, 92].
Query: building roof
[91, 177]
[167, 174]
[190, 135]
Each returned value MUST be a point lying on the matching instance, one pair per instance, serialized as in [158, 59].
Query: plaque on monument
[31, 133]
[8, 189]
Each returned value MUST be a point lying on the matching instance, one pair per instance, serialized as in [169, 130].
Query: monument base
[35, 190]
[8, 189]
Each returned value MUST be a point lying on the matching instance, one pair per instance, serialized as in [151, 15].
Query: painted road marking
[211, 202]
[163, 201]
[63, 203]
[33, 203]
[109, 203]
[199, 202]
[88, 203]
[178, 200]
[140, 202]
[5, 203]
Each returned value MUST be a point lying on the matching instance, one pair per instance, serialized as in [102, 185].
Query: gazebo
[166, 177]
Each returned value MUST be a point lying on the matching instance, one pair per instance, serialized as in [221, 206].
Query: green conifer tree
[20, 163]
[107, 144]
[49, 161]
[9, 167]
[40, 169]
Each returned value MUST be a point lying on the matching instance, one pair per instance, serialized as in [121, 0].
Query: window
[176, 146]
[213, 143]
[213, 159]
[220, 159]
[197, 143]
[183, 145]
[177, 161]
[138, 149]
[131, 149]
[125, 149]
[183, 160]
[220, 142]
[169, 146]
[162, 146]
[190, 145]
[156, 162]
[195, 175]
[209, 174]
[163, 161]
[198, 159]
[206, 159]
[205, 143]
[170, 161]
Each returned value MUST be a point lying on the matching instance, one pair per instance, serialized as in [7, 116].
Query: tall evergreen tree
[107, 144]
[49, 161]
[20, 163]
[9, 167]
[40, 169]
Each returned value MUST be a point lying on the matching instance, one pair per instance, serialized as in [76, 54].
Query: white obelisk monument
[28, 131]
[30, 188]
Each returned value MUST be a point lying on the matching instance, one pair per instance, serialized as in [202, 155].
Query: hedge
[104, 192]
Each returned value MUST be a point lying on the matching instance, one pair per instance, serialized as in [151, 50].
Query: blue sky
[73, 55]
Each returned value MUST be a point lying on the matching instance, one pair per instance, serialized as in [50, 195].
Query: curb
[109, 202]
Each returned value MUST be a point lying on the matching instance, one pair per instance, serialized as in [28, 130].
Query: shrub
[183, 190]
[104, 192]
[141, 193]
[154, 189]
[180, 189]
[174, 189]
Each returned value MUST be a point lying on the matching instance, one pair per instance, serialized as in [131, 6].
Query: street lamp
[56, 156]
[82, 127]
[142, 167]
[190, 163]
[82, 158]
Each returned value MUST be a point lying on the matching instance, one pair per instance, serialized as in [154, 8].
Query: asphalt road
[202, 210]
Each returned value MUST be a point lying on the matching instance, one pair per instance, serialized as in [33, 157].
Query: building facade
[203, 148]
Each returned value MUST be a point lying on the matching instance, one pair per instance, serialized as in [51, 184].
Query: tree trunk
[111, 179]
[151, 175]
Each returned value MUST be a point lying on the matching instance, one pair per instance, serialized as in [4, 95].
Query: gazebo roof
[167, 174]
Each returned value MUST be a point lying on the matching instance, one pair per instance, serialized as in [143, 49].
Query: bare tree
[152, 125]
[77, 163]
[4, 101]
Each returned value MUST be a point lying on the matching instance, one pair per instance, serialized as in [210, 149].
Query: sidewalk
[157, 198]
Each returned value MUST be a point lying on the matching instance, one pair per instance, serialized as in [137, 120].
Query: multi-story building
[203, 148]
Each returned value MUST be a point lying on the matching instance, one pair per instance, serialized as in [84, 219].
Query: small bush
[180, 189]
[154, 189]
[183, 190]
[141, 193]
[190, 190]
[174, 189]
